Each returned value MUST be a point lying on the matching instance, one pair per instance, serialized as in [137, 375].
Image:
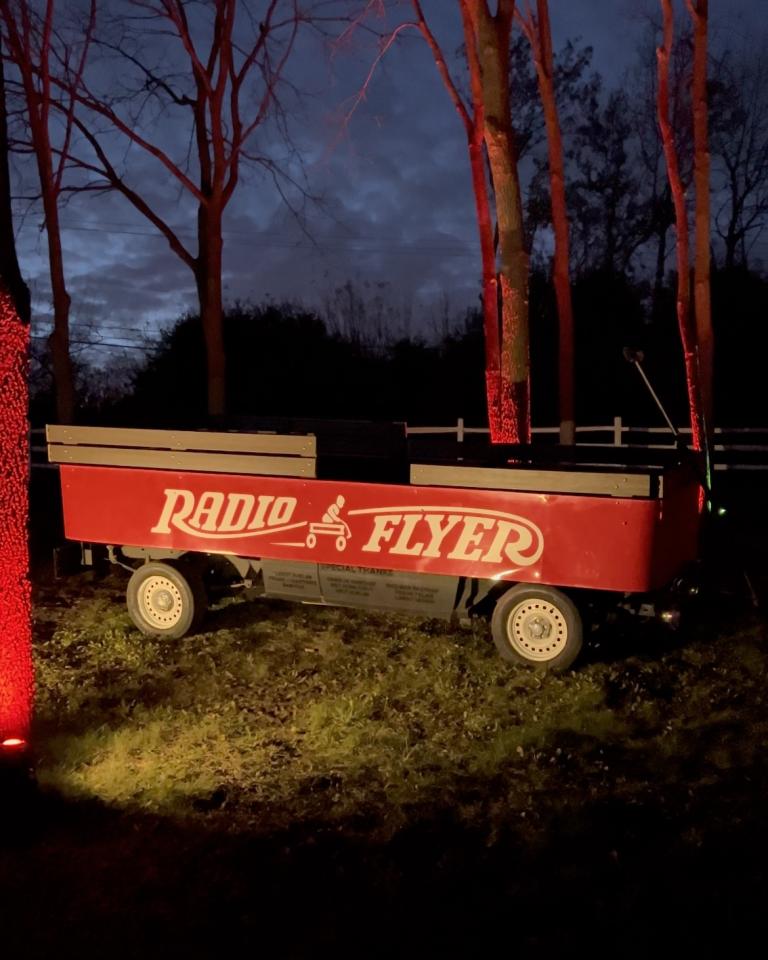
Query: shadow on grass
[717, 611]
[78, 878]
[672, 859]
[248, 612]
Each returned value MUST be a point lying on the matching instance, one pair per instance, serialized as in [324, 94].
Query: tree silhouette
[31, 40]
[738, 94]
[687, 329]
[219, 78]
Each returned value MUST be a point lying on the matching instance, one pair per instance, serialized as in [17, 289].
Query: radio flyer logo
[331, 525]
[473, 534]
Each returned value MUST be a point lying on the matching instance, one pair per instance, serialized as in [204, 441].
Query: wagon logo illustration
[332, 525]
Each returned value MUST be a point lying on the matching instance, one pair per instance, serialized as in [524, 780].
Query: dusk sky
[397, 201]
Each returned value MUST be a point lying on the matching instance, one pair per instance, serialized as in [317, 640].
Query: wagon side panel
[679, 523]
[593, 542]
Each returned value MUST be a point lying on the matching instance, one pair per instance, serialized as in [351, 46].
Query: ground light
[16, 671]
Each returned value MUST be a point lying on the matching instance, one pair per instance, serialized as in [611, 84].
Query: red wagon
[446, 530]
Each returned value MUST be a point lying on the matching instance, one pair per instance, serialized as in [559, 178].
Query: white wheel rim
[160, 602]
[537, 630]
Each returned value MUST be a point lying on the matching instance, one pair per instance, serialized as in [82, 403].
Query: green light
[721, 511]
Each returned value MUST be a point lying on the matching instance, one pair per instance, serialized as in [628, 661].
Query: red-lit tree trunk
[492, 156]
[491, 337]
[487, 39]
[687, 330]
[16, 670]
[29, 42]
[473, 126]
[699, 11]
[539, 33]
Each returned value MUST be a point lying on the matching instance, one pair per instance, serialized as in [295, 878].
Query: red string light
[16, 670]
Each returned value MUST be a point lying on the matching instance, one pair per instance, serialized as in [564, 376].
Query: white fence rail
[730, 442]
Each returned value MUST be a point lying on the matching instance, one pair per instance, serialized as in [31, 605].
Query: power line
[121, 226]
[146, 348]
[98, 328]
[268, 240]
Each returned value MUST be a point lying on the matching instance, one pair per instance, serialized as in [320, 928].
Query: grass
[281, 713]
[372, 763]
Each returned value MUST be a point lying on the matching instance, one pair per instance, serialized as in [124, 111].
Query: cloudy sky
[396, 217]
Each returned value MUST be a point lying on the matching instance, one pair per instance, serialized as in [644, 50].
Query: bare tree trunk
[687, 331]
[209, 289]
[492, 42]
[59, 340]
[474, 127]
[491, 310]
[30, 46]
[699, 11]
[539, 33]
[9, 263]
[490, 290]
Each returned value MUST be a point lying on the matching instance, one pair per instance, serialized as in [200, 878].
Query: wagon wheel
[537, 626]
[166, 600]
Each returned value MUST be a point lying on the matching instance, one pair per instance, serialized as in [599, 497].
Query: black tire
[537, 626]
[166, 600]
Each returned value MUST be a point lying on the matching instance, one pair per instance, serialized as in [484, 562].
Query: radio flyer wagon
[361, 517]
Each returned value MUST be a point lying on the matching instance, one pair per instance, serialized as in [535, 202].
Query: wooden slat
[184, 460]
[539, 481]
[276, 444]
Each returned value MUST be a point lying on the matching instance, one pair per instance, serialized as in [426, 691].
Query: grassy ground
[313, 780]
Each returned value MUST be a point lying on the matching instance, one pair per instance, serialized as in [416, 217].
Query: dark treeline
[284, 361]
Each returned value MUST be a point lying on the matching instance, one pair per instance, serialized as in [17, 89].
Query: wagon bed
[362, 495]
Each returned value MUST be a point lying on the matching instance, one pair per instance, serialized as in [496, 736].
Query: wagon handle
[636, 357]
